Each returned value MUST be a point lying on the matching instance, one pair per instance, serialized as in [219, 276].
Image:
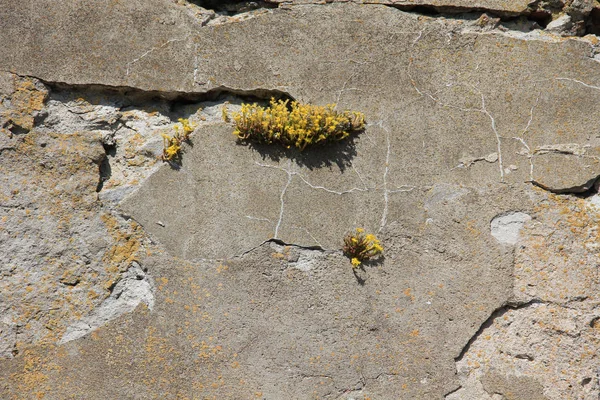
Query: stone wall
[222, 276]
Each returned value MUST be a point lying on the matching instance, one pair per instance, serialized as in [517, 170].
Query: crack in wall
[521, 341]
[431, 10]
[385, 188]
[448, 13]
[564, 19]
[290, 175]
[586, 189]
[578, 82]
[566, 149]
[150, 51]
[233, 7]
[386, 193]
[139, 97]
[483, 110]
[497, 313]
[282, 243]
[522, 135]
[281, 199]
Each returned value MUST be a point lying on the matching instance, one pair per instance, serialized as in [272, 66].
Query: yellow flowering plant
[360, 247]
[294, 124]
[172, 144]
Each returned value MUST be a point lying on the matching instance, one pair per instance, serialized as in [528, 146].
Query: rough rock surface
[221, 277]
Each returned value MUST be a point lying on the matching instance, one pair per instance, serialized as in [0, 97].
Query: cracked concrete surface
[123, 277]
[548, 340]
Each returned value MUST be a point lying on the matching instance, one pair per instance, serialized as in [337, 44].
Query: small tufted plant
[172, 144]
[360, 247]
[294, 124]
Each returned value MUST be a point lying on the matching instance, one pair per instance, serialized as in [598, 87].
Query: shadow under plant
[338, 154]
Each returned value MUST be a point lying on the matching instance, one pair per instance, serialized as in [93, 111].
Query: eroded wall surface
[122, 276]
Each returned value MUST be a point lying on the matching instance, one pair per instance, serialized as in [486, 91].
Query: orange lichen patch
[158, 352]
[408, 293]
[207, 351]
[32, 381]
[24, 102]
[471, 227]
[27, 96]
[127, 242]
[593, 39]
[222, 268]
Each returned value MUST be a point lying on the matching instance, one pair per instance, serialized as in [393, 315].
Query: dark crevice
[3, 149]
[527, 357]
[232, 7]
[584, 191]
[460, 12]
[110, 149]
[446, 11]
[425, 10]
[123, 276]
[453, 391]
[592, 189]
[70, 283]
[585, 381]
[104, 168]
[282, 243]
[593, 23]
[111, 288]
[131, 96]
[538, 18]
[17, 130]
[541, 17]
[541, 12]
[496, 314]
